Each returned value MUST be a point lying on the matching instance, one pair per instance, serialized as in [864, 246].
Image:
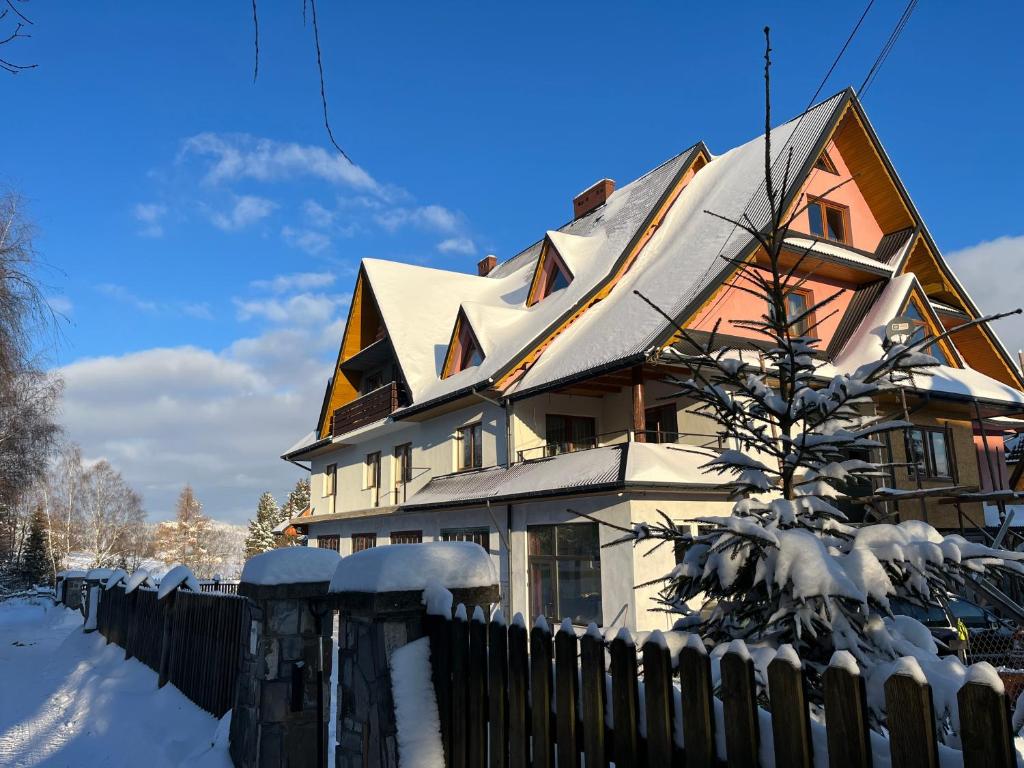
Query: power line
[840, 55]
[887, 48]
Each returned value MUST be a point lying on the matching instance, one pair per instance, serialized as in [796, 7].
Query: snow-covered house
[515, 406]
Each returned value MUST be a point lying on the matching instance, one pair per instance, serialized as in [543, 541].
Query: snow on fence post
[282, 696]
[176, 577]
[389, 598]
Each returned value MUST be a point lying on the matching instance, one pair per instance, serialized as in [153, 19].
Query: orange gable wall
[865, 230]
[735, 304]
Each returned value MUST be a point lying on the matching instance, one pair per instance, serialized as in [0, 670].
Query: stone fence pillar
[379, 594]
[282, 701]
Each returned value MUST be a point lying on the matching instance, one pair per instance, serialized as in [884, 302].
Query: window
[407, 537]
[471, 356]
[798, 301]
[565, 572]
[372, 481]
[361, 541]
[403, 470]
[824, 163]
[464, 351]
[330, 479]
[929, 452]
[921, 331]
[329, 542]
[470, 446]
[481, 536]
[551, 275]
[661, 425]
[829, 221]
[565, 434]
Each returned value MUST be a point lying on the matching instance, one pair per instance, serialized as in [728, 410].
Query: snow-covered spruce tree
[35, 562]
[297, 501]
[786, 567]
[260, 537]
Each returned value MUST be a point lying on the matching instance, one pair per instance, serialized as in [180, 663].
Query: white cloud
[217, 420]
[241, 156]
[248, 209]
[60, 304]
[150, 216]
[317, 215]
[125, 296]
[990, 271]
[198, 310]
[298, 281]
[308, 240]
[461, 245]
[433, 217]
[302, 309]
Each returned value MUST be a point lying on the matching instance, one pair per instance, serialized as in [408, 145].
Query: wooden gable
[463, 348]
[550, 273]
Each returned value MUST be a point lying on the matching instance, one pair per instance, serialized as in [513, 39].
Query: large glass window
[373, 476]
[403, 470]
[661, 425]
[481, 536]
[929, 453]
[921, 331]
[565, 434]
[470, 447]
[565, 572]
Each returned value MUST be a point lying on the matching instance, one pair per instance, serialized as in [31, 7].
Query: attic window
[464, 351]
[551, 275]
[921, 329]
[824, 163]
[829, 221]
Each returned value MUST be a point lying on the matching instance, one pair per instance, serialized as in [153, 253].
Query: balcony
[371, 407]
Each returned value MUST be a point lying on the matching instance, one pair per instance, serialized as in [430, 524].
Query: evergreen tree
[185, 539]
[260, 537]
[36, 563]
[298, 501]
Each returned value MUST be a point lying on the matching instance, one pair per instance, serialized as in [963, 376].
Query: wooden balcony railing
[367, 409]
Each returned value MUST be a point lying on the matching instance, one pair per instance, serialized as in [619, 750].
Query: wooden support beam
[639, 414]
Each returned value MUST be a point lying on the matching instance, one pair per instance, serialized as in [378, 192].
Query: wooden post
[739, 709]
[592, 687]
[639, 410]
[911, 720]
[567, 696]
[698, 706]
[167, 609]
[625, 708]
[460, 674]
[540, 696]
[439, 630]
[791, 727]
[658, 696]
[497, 674]
[985, 727]
[990, 462]
[846, 715]
[477, 749]
[518, 695]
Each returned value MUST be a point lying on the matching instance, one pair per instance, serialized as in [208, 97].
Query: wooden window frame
[952, 361]
[844, 211]
[568, 445]
[930, 472]
[826, 163]
[372, 472]
[476, 429]
[329, 541]
[481, 536]
[402, 455]
[369, 539]
[330, 485]
[414, 537]
[548, 265]
[460, 346]
[553, 560]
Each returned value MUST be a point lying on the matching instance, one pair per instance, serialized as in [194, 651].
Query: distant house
[515, 406]
[286, 529]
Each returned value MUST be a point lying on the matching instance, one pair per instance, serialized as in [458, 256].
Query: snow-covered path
[68, 699]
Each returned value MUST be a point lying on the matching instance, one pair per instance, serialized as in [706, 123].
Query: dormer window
[464, 350]
[829, 221]
[824, 163]
[920, 330]
[552, 274]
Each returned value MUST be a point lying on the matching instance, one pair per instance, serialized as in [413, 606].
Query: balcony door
[565, 434]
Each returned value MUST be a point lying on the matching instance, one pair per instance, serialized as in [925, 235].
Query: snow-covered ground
[68, 699]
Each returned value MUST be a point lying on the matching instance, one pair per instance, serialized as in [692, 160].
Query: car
[970, 631]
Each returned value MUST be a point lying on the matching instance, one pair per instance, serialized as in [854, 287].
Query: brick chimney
[486, 264]
[592, 197]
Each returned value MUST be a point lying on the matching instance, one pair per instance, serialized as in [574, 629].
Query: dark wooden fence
[193, 639]
[511, 698]
[211, 585]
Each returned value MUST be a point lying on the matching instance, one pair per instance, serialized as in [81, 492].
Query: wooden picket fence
[192, 640]
[512, 698]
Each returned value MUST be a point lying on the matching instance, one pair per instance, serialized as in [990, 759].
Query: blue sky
[202, 236]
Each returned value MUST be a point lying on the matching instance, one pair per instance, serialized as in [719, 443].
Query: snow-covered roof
[495, 305]
[866, 346]
[682, 260]
[612, 466]
[839, 252]
[406, 567]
